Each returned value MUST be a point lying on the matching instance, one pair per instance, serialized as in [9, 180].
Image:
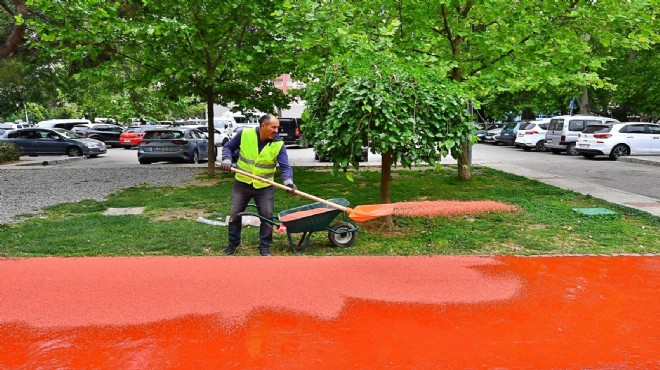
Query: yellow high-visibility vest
[261, 164]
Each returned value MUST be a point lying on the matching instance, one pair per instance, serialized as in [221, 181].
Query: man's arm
[230, 147]
[285, 167]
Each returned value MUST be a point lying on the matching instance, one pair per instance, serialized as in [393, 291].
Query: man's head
[268, 127]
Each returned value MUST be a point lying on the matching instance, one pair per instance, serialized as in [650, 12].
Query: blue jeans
[264, 199]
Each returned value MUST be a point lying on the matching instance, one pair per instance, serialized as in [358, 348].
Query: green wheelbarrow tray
[341, 234]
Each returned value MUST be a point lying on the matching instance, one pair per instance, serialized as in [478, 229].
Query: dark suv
[107, 133]
[290, 130]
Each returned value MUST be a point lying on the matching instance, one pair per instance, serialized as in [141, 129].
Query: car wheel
[341, 237]
[540, 146]
[195, 157]
[127, 146]
[527, 148]
[555, 151]
[588, 156]
[570, 149]
[619, 151]
[144, 161]
[74, 151]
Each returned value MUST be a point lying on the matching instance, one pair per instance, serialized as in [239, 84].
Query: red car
[133, 136]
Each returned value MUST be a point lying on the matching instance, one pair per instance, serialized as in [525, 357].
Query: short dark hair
[264, 118]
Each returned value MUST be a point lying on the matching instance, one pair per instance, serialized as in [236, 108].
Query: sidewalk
[640, 202]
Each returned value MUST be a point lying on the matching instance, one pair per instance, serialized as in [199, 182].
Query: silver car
[56, 141]
[173, 144]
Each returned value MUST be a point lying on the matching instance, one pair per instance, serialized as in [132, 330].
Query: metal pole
[26, 115]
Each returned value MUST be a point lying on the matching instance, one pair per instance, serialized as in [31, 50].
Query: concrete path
[445, 312]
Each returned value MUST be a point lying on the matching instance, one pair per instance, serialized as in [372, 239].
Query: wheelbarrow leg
[304, 241]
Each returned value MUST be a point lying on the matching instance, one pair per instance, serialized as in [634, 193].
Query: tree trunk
[211, 128]
[464, 162]
[583, 102]
[386, 184]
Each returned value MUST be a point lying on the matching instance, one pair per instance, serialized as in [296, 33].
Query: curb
[48, 162]
[639, 160]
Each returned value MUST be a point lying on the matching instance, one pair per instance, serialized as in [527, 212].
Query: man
[261, 149]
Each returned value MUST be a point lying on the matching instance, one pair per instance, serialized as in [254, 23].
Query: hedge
[9, 152]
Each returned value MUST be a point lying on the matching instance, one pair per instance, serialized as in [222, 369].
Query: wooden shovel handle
[296, 192]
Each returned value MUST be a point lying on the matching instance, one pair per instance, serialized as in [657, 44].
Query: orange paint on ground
[449, 208]
[388, 312]
[302, 214]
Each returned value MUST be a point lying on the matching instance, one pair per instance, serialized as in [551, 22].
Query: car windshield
[67, 134]
[597, 128]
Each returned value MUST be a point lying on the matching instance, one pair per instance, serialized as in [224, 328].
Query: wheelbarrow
[312, 218]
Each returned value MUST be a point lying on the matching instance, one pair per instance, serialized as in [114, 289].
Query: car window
[633, 129]
[576, 125]
[597, 128]
[654, 129]
[556, 124]
[509, 126]
[543, 126]
[528, 126]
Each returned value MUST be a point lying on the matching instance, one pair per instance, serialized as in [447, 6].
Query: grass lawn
[544, 223]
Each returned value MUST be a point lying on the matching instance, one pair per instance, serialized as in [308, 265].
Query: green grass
[544, 224]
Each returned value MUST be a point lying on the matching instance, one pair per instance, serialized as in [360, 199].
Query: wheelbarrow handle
[296, 192]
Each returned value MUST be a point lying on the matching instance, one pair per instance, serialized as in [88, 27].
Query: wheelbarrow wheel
[342, 237]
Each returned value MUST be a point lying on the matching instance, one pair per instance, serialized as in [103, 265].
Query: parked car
[619, 139]
[105, 132]
[509, 133]
[532, 135]
[173, 144]
[493, 134]
[563, 131]
[483, 128]
[289, 131]
[67, 123]
[12, 126]
[133, 135]
[57, 141]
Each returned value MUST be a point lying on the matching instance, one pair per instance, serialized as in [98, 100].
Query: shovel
[359, 213]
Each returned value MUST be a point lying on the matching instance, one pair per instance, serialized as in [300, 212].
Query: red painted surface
[343, 312]
[449, 208]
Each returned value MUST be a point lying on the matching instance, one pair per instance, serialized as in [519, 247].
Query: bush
[9, 152]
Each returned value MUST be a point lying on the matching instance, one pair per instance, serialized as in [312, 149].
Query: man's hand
[293, 188]
[225, 166]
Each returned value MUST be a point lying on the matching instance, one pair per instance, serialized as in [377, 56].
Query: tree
[407, 115]
[490, 47]
[221, 52]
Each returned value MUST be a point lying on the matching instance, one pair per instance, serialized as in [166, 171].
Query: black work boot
[230, 251]
[265, 251]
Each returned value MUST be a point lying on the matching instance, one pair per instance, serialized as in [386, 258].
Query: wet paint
[302, 214]
[552, 312]
[449, 208]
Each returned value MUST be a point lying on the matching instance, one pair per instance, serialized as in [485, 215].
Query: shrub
[9, 152]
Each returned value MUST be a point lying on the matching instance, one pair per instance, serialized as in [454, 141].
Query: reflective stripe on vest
[261, 164]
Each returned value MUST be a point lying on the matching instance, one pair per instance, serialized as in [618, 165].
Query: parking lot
[632, 181]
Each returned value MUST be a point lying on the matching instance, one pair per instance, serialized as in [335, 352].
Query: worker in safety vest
[260, 151]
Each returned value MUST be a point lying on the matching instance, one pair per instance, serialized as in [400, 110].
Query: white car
[532, 136]
[619, 139]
